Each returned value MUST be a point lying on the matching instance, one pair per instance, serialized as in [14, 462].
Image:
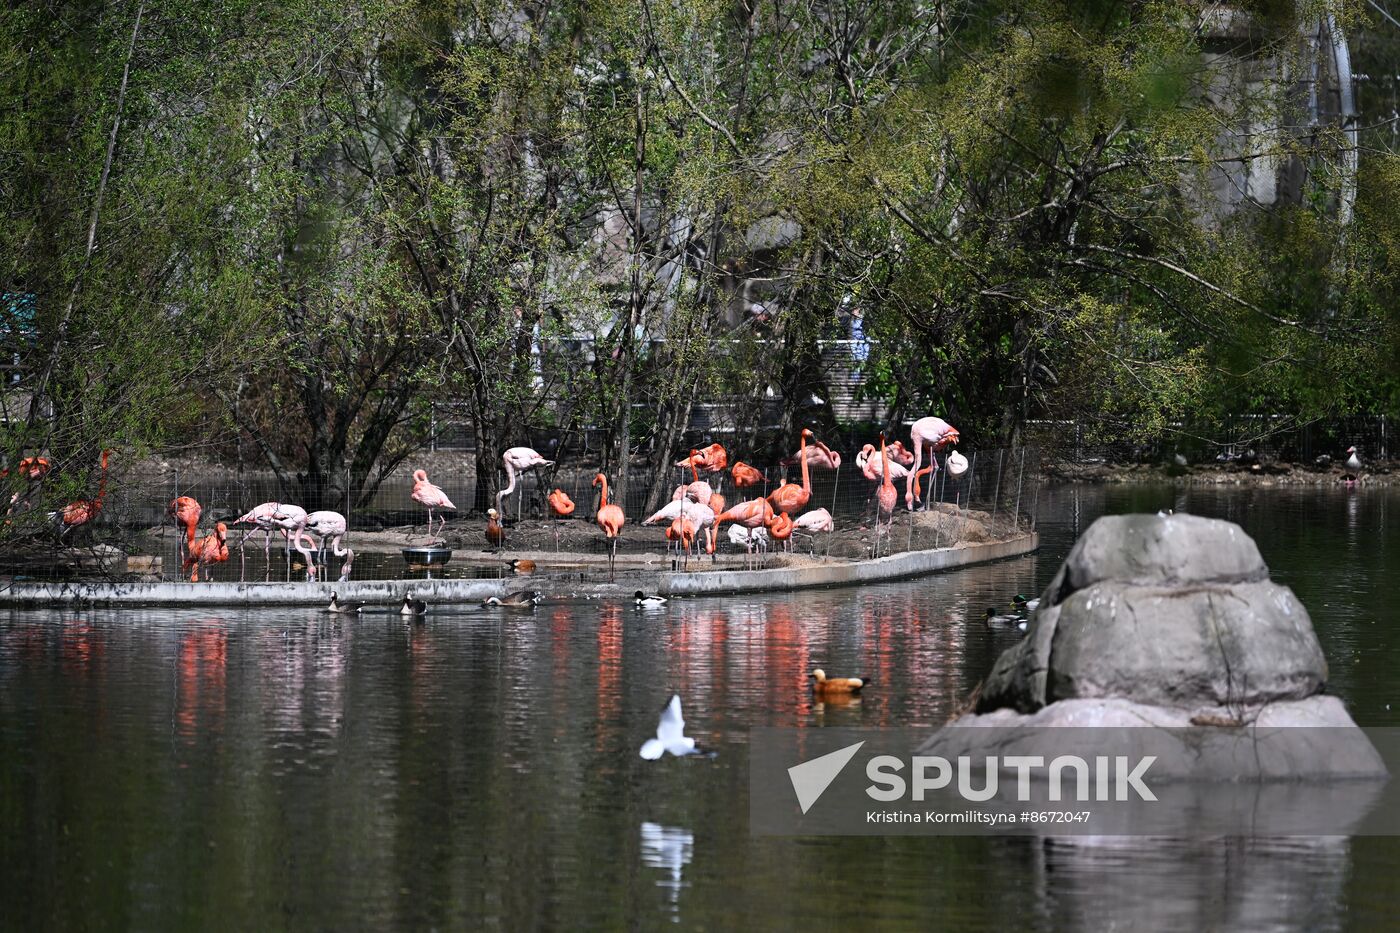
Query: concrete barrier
[714, 583]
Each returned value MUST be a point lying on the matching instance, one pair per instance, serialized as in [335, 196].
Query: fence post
[996, 492]
[1016, 513]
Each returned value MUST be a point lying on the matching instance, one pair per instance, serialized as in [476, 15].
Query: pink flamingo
[211, 549]
[433, 497]
[561, 506]
[885, 496]
[81, 511]
[289, 519]
[262, 518]
[900, 454]
[698, 489]
[933, 433]
[517, 460]
[810, 523]
[325, 525]
[870, 463]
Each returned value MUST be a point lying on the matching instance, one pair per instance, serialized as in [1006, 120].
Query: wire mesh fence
[995, 496]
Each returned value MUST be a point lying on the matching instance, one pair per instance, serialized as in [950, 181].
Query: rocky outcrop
[1163, 610]
[1171, 623]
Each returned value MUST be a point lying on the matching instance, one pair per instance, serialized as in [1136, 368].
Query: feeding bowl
[427, 556]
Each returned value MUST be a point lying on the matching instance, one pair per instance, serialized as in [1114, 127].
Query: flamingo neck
[510, 487]
[885, 464]
[604, 481]
[694, 473]
[802, 455]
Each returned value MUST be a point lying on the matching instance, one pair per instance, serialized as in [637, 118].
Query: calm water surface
[181, 769]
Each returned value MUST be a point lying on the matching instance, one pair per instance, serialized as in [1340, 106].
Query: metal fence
[996, 497]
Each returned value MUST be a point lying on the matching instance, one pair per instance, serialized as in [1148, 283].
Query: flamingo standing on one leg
[562, 507]
[885, 496]
[611, 520]
[431, 496]
[790, 497]
[81, 511]
[185, 512]
[933, 433]
[813, 522]
[516, 460]
[210, 549]
[261, 517]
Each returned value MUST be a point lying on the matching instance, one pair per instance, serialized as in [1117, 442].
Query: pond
[170, 768]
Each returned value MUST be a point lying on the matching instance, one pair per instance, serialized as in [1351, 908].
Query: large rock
[1167, 610]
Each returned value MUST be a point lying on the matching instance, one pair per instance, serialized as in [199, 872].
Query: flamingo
[431, 496]
[31, 470]
[870, 465]
[185, 512]
[611, 520]
[745, 475]
[264, 518]
[886, 497]
[682, 532]
[752, 514]
[901, 454]
[780, 528]
[81, 511]
[933, 433]
[712, 459]
[327, 526]
[210, 549]
[912, 492]
[516, 460]
[289, 519]
[817, 520]
[562, 507]
[790, 497]
[698, 489]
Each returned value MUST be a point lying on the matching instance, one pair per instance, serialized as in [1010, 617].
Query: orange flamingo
[745, 475]
[185, 512]
[210, 549]
[561, 506]
[698, 489]
[431, 496]
[790, 497]
[886, 497]
[81, 511]
[754, 513]
[914, 494]
[682, 532]
[712, 532]
[29, 468]
[611, 520]
[780, 528]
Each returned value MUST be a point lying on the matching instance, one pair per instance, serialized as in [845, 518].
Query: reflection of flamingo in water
[516, 460]
[327, 526]
[185, 512]
[431, 496]
[611, 520]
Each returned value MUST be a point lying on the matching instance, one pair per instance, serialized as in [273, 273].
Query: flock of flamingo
[696, 512]
[698, 509]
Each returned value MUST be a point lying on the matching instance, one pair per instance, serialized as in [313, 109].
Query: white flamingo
[329, 527]
[516, 460]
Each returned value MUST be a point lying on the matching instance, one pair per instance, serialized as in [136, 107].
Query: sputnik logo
[811, 778]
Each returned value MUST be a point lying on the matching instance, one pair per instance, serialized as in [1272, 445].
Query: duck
[412, 606]
[995, 618]
[521, 566]
[823, 684]
[495, 533]
[645, 600]
[338, 606]
[525, 599]
[1029, 605]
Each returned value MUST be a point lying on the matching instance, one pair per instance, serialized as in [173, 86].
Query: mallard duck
[645, 600]
[338, 606]
[525, 599]
[823, 684]
[996, 618]
[412, 606]
[1029, 605]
